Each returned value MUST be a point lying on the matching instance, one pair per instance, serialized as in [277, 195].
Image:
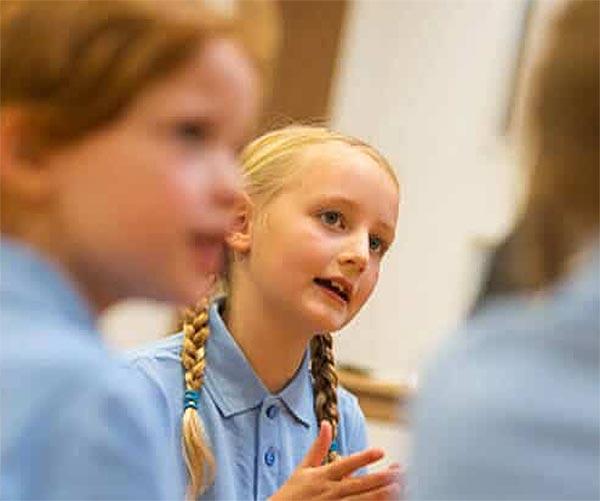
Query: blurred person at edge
[119, 128]
[510, 409]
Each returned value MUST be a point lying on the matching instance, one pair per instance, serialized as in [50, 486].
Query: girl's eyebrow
[338, 199]
[342, 200]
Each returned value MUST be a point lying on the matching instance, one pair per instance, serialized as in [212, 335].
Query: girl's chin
[326, 321]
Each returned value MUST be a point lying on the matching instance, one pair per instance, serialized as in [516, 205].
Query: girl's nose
[355, 257]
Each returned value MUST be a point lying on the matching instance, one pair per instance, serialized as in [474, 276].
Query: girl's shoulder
[346, 398]
[349, 408]
[159, 362]
[162, 350]
[352, 432]
[348, 404]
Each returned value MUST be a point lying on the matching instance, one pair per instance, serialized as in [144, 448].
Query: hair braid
[199, 459]
[325, 383]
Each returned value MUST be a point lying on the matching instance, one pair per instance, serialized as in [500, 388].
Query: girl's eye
[332, 218]
[190, 131]
[376, 244]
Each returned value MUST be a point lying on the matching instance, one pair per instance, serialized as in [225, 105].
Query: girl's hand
[312, 480]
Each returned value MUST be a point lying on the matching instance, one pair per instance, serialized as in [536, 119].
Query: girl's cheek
[305, 237]
[375, 275]
[323, 235]
[189, 184]
[370, 281]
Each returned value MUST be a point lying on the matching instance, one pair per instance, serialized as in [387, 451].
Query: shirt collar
[29, 281]
[234, 385]
[298, 394]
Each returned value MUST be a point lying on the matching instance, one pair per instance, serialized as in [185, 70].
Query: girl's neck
[273, 347]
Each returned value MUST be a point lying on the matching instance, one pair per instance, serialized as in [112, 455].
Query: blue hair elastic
[333, 447]
[190, 399]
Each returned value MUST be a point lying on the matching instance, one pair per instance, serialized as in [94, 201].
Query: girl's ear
[239, 238]
[21, 172]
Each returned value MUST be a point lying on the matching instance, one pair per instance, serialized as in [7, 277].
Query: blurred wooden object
[379, 400]
[310, 46]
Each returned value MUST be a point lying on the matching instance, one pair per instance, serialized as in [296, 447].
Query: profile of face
[141, 206]
[315, 249]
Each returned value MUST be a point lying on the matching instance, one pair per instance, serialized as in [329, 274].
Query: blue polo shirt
[74, 422]
[258, 438]
[510, 409]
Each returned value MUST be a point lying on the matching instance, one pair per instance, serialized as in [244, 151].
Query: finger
[399, 471]
[318, 450]
[349, 464]
[400, 474]
[358, 485]
[390, 492]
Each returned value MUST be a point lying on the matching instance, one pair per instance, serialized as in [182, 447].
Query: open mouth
[334, 287]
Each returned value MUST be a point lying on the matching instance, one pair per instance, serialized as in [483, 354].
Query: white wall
[428, 82]
[135, 322]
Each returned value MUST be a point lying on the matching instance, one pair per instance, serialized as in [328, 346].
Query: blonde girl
[251, 376]
[118, 128]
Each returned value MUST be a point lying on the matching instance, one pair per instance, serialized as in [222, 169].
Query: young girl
[118, 128]
[253, 373]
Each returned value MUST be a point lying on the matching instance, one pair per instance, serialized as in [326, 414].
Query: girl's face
[141, 206]
[317, 247]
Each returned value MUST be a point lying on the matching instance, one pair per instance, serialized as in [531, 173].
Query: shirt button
[270, 456]
[272, 411]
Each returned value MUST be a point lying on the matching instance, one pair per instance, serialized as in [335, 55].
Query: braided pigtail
[199, 459]
[325, 383]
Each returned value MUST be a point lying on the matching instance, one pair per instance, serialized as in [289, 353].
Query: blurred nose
[227, 185]
[354, 257]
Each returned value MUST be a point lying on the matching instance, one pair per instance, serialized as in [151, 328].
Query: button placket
[272, 411]
[270, 456]
[268, 450]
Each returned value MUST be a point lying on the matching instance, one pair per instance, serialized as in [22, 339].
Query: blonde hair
[269, 161]
[199, 459]
[266, 163]
[74, 66]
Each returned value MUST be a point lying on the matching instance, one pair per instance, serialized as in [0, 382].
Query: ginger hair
[73, 67]
[266, 165]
